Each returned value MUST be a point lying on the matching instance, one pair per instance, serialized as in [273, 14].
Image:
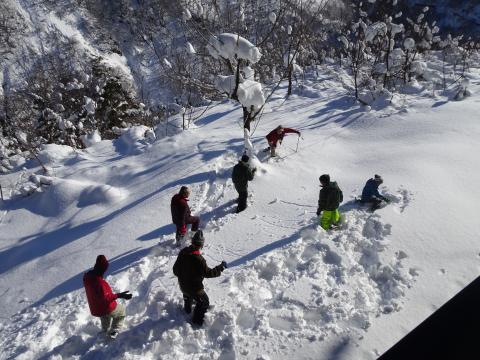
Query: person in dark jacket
[191, 268]
[329, 200]
[370, 194]
[277, 135]
[241, 175]
[101, 299]
[181, 214]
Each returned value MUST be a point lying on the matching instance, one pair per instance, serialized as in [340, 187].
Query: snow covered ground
[292, 290]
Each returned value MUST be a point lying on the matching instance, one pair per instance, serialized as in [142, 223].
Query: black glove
[222, 266]
[254, 169]
[318, 212]
[386, 199]
[124, 295]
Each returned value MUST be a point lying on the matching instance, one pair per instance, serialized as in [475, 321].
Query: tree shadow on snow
[205, 218]
[346, 207]
[343, 111]
[340, 350]
[73, 346]
[39, 244]
[117, 264]
[155, 234]
[213, 117]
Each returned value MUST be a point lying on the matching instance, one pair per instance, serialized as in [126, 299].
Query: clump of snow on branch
[231, 46]
[250, 94]
[272, 17]
[378, 28]
[190, 48]
[186, 15]
[409, 44]
[248, 72]
[167, 63]
[89, 105]
[225, 84]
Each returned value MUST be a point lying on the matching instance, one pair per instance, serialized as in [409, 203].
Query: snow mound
[52, 154]
[64, 193]
[134, 139]
[91, 139]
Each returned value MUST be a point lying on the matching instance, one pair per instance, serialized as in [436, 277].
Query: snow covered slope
[291, 290]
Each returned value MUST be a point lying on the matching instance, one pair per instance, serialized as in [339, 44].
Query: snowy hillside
[292, 290]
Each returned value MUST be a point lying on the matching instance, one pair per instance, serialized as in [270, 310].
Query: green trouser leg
[328, 218]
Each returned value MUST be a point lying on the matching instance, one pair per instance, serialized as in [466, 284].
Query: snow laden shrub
[462, 90]
[67, 103]
[238, 54]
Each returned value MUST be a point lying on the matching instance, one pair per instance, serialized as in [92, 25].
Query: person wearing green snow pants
[329, 218]
[329, 200]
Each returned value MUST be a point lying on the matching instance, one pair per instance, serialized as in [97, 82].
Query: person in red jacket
[277, 135]
[101, 299]
[181, 215]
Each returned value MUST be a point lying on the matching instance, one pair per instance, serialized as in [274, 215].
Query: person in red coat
[277, 135]
[181, 215]
[101, 299]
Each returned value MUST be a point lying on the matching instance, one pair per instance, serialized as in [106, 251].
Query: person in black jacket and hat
[242, 173]
[191, 268]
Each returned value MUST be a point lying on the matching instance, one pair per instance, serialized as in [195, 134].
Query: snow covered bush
[239, 54]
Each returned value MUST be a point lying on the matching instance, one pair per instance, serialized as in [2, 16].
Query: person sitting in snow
[181, 214]
[370, 194]
[241, 175]
[101, 299]
[191, 268]
[276, 136]
[329, 200]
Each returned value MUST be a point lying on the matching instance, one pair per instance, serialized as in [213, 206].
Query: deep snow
[291, 289]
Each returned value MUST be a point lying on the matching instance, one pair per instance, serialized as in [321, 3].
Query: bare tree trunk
[247, 118]
[290, 72]
[237, 80]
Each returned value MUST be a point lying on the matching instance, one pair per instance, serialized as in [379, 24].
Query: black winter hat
[325, 179]
[101, 265]
[198, 239]
[245, 158]
[378, 178]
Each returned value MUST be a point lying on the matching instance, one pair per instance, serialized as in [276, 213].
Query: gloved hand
[222, 266]
[387, 200]
[124, 295]
[254, 170]
[318, 212]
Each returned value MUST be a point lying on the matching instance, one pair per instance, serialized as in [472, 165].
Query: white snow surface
[292, 290]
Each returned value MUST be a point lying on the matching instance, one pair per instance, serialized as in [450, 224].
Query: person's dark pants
[181, 230]
[201, 306]
[373, 202]
[242, 200]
